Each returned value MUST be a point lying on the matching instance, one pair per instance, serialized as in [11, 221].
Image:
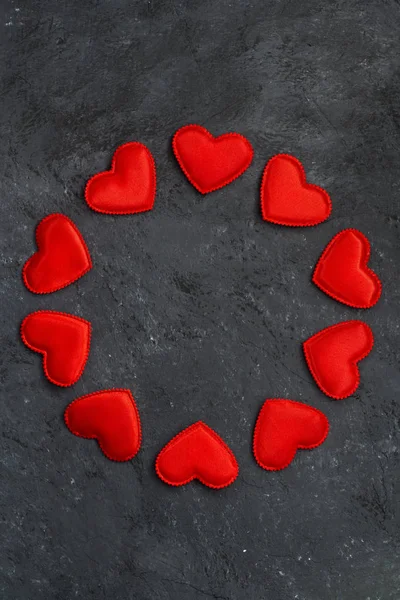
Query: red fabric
[342, 270]
[197, 453]
[64, 341]
[332, 356]
[211, 162]
[282, 427]
[62, 256]
[287, 198]
[129, 187]
[109, 416]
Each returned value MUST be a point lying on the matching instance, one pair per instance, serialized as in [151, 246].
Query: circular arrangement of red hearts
[111, 416]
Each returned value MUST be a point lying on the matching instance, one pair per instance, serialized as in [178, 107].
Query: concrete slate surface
[199, 307]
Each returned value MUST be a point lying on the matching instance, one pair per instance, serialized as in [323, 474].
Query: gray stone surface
[199, 307]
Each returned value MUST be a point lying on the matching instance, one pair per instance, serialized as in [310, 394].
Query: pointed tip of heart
[283, 427]
[280, 205]
[52, 374]
[138, 166]
[218, 474]
[196, 171]
[336, 375]
[348, 279]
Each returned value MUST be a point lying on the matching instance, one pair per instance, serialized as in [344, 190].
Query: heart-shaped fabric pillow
[197, 453]
[332, 356]
[62, 339]
[109, 416]
[287, 198]
[62, 256]
[129, 187]
[284, 426]
[211, 162]
[342, 270]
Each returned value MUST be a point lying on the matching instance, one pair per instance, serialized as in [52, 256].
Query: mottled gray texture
[199, 307]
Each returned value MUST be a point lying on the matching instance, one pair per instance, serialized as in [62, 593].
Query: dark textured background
[199, 307]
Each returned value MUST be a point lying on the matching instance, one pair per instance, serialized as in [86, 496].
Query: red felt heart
[109, 416]
[332, 356]
[282, 427]
[211, 162]
[129, 187]
[62, 256]
[342, 270]
[197, 453]
[287, 198]
[64, 341]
